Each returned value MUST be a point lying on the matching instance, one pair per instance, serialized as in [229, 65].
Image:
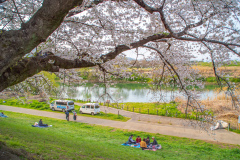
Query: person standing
[67, 115]
[74, 115]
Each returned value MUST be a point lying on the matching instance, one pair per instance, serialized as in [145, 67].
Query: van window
[61, 103]
[92, 107]
[88, 107]
[70, 103]
[83, 106]
[96, 107]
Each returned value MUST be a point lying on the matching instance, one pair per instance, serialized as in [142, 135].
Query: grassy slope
[72, 140]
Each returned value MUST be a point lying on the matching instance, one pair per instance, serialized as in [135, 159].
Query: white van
[90, 108]
[62, 105]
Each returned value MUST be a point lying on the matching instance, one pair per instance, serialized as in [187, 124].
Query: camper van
[62, 105]
[90, 108]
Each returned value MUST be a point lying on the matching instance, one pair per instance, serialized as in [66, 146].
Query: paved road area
[137, 117]
[173, 130]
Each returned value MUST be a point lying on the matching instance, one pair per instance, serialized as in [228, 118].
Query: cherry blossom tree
[62, 35]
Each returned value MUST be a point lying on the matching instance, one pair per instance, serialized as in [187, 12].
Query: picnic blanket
[4, 116]
[41, 126]
[137, 145]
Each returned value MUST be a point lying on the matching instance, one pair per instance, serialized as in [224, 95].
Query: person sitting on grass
[138, 139]
[143, 144]
[41, 123]
[130, 140]
[147, 141]
[154, 141]
[2, 115]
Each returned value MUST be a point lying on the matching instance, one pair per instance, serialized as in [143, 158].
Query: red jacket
[138, 140]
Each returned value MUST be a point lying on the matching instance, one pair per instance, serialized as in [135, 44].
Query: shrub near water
[34, 104]
[39, 105]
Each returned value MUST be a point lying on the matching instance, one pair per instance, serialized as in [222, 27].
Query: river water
[132, 92]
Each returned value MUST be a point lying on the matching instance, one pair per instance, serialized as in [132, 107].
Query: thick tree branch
[31, 66]
[86, 6]
[14, 44]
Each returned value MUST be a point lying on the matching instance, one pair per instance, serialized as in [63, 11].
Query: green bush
[29, 104]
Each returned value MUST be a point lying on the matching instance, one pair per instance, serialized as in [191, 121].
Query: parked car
[62, 105]
[90, 108]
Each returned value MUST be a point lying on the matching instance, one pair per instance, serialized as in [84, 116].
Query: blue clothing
[67, 115]
[2, 115]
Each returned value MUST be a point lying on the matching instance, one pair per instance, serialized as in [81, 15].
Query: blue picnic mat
[137, 145]
[2, 115]
[40, 126]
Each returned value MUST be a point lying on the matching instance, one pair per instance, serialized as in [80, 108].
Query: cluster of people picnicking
[145, 143]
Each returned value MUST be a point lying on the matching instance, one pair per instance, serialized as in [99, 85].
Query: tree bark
[14, 44]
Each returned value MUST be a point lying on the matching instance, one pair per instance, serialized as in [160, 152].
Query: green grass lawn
[162, 109]
[73, 140]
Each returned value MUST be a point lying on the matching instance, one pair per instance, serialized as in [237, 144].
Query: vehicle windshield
[96, 107]
[70, 103]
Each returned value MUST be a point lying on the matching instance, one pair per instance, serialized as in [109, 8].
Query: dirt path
[137, 117]
[173, 130]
